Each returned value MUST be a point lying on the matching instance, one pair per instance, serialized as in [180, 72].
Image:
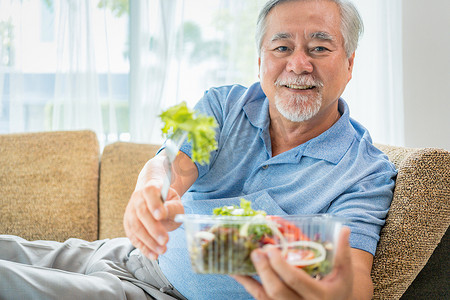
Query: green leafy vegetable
[200, 129]
[244, 210]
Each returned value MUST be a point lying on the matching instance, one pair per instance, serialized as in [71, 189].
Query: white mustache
[300, 80]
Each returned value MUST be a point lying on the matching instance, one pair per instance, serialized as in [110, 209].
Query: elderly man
[287, 144]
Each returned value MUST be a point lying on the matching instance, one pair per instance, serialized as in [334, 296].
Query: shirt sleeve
[365, 205]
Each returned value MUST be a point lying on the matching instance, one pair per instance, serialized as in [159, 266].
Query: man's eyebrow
[318, 35]
[281, 36]
[321, 35]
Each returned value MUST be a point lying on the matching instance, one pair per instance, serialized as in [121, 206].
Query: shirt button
[265, 167]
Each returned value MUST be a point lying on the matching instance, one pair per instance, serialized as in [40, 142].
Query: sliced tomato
[290, 231]
[268, 240]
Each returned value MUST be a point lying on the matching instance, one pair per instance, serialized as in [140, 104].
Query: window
[113, 65]
[67, 55]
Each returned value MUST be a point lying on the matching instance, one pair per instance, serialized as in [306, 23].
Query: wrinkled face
[303, 67]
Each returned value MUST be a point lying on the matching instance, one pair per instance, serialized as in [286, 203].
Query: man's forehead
[319, 20]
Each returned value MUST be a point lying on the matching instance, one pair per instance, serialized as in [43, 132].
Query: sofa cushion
[49, 185]
[120, 166]
[417, 220]
[433, 281]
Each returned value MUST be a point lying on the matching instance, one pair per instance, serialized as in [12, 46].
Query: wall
[426, 69]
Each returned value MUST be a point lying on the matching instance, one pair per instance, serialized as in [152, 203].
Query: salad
[222, 243]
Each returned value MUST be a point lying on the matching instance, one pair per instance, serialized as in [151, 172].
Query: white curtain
[76, 103]
[375, 93]
[79, 77]
[59, 66]
[11, 79]
[153, 56]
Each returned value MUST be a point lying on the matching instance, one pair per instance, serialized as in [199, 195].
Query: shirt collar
[257, 108]
[257, 112]
[332, 144]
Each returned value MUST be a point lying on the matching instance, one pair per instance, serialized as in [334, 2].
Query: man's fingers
[144, 249]
[174, 207]
[280, 280]
[274, 286]
[147, 225]
[300, 282]
[144, 232]
[343, 254]
[343, 260]
[252, 286]
[153, 200]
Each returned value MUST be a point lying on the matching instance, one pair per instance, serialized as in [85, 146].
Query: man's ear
[351, 60]
[259, 67]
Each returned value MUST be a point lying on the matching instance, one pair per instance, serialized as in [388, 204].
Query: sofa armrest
[121, 163]
[417, 220]
[49, 185]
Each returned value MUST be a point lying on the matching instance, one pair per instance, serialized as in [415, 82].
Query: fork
[173, 145]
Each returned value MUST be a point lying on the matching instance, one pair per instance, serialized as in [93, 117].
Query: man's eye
[319, 49]
[282, 49]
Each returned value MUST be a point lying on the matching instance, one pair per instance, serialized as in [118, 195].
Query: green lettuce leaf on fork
[200, 129]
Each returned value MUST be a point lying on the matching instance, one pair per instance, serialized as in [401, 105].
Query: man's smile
[300, 87]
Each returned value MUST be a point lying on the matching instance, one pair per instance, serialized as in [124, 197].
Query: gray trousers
[76, 269]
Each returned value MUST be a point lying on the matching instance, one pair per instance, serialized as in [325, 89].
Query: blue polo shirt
[338, 172]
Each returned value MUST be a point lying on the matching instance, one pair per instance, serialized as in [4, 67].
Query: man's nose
[299, 63]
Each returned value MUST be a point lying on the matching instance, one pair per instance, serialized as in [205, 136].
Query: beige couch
[57, 185]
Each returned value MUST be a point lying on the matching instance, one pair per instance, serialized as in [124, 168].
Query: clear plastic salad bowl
[222, 244]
